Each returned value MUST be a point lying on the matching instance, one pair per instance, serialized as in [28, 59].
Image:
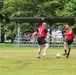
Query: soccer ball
[58, 55]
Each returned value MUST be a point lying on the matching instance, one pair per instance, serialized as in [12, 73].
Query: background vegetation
[32, 8]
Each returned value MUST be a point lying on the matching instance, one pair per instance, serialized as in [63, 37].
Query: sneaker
[38, 56]
[44, 56]
[65, 54]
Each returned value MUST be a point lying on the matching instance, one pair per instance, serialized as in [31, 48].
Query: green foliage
[35, 8]
[71, 7]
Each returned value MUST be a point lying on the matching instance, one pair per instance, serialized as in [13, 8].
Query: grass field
[23, 61]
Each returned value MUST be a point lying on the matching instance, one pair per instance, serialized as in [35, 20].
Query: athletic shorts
[41, 40]
[69, 42]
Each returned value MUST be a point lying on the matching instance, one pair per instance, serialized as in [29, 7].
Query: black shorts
[69, 42]
[41, 40]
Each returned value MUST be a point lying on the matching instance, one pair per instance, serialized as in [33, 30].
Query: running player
[69, 36]
[42, 32]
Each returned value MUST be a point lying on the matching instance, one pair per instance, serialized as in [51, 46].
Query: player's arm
[33, 34]
[75, 37]
[63, 31]
[48, 34]
[69, 32]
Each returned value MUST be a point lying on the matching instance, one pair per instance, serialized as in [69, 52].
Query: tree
[1, 25]
[70, 9]
[30, 8]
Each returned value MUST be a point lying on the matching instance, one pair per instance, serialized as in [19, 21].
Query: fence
[21, 41]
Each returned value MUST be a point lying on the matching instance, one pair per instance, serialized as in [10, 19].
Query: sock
[44, 53]
[69, 49]
[65, 51]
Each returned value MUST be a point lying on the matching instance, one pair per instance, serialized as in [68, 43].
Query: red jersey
[69, 35]
[41, 31]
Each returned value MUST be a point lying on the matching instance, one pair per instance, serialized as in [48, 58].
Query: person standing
[42, 32]
[69, 36]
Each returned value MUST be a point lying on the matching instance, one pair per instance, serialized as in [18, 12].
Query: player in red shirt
[69, 36]
[42, 32]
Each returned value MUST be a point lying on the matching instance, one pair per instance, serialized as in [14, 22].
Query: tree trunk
[2, 33]
[12, 37]
[2, 38]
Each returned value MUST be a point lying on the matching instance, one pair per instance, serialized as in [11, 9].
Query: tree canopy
[33, 8]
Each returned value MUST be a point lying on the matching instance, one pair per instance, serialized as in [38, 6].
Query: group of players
[42, 32]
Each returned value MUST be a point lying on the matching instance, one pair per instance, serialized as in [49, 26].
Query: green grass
[23, 61]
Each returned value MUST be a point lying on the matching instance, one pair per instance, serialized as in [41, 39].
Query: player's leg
[69, 50]
[40, 46]
[45, 49]
[39, 51]
[65, 51]
[69, 47]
